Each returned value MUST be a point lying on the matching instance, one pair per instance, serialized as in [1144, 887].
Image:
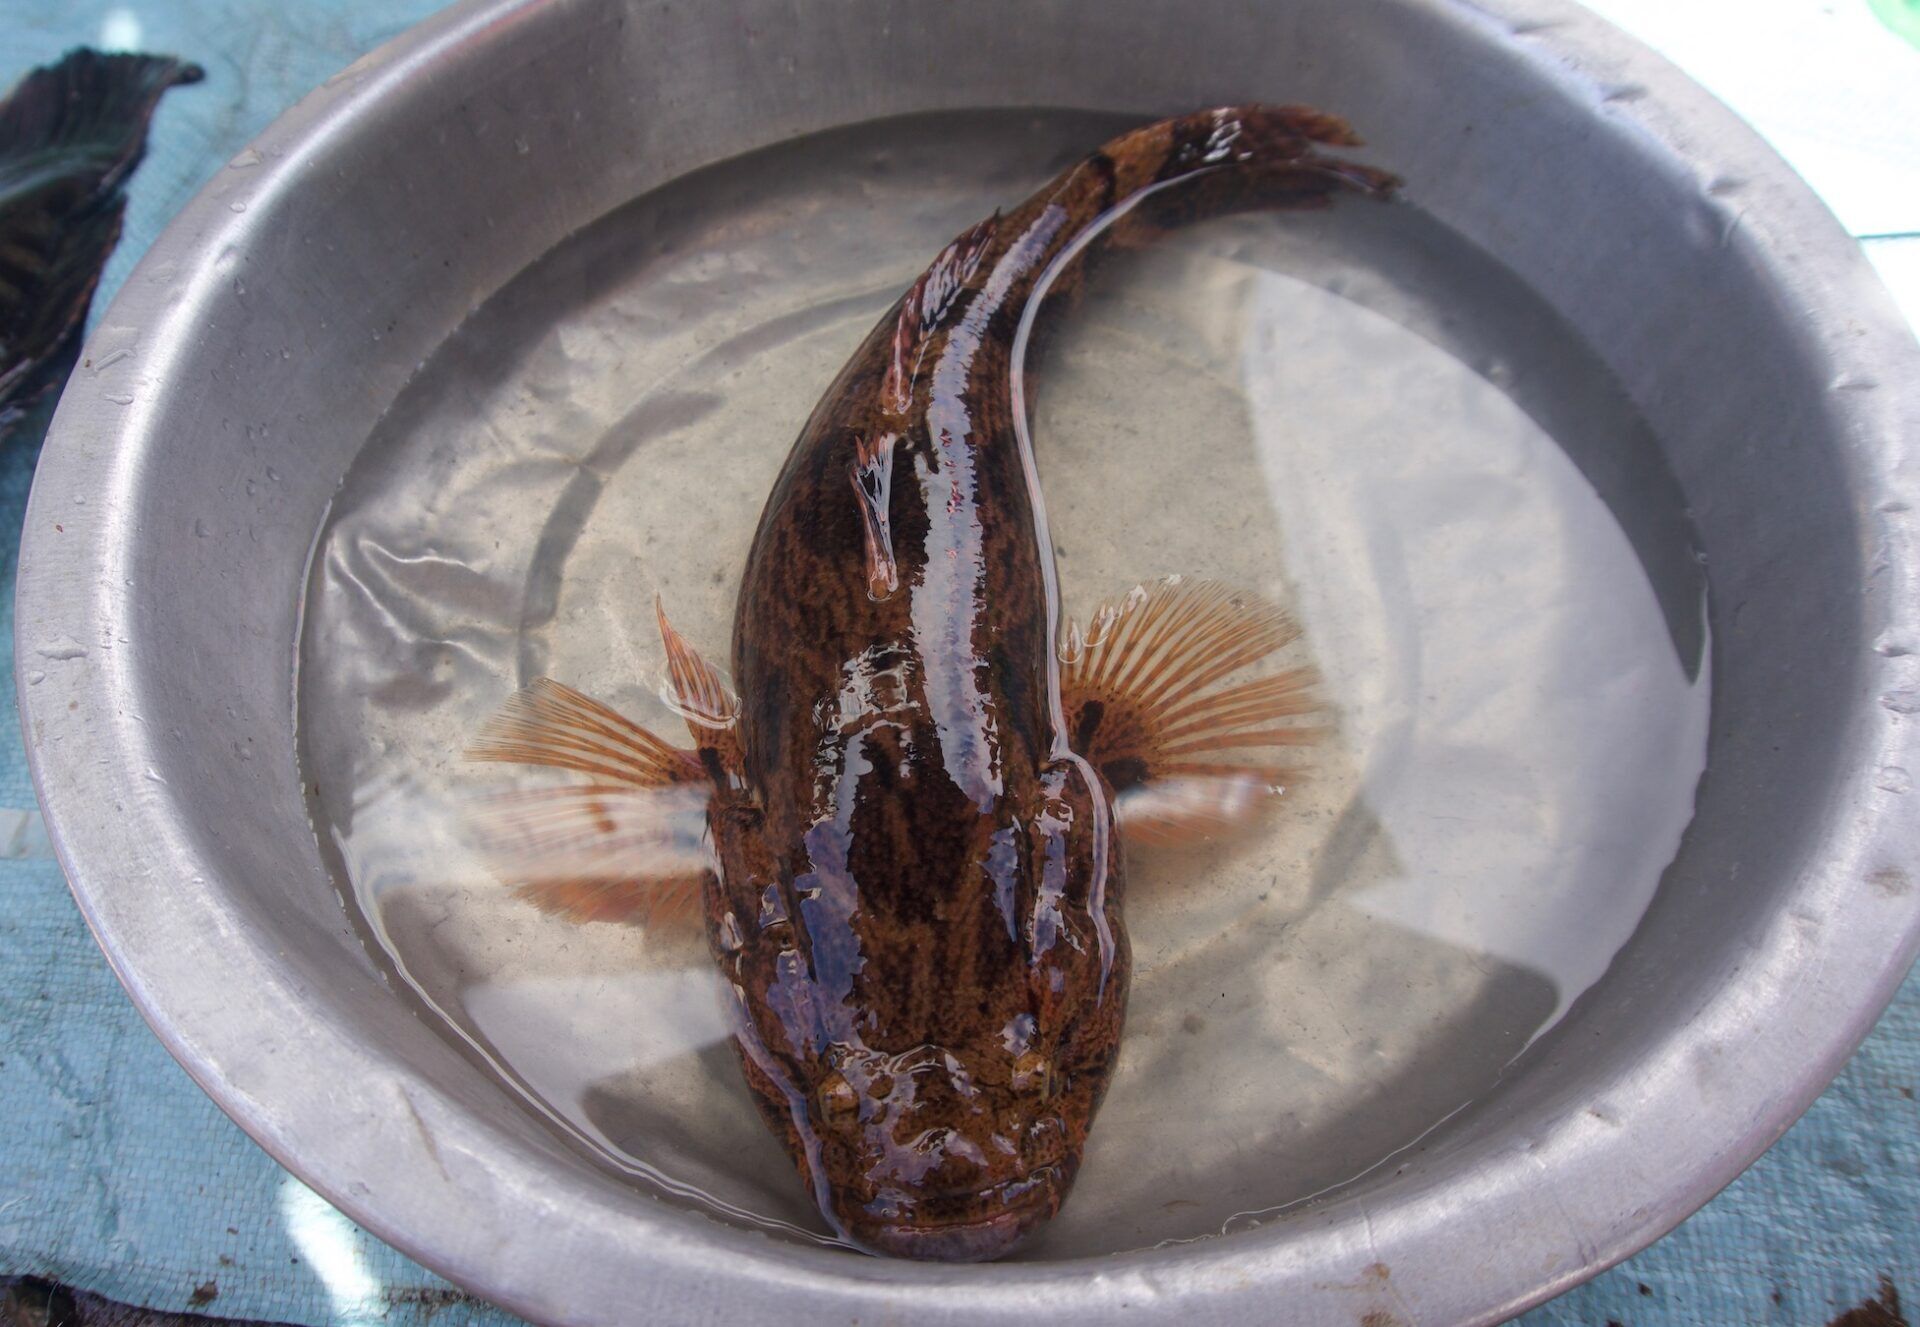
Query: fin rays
[600, 852]
[630, 842]
[547, 723]
[1187, 757]
[699, 695]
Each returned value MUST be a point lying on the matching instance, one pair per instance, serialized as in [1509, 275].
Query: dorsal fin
[926, 304]
[702, 697]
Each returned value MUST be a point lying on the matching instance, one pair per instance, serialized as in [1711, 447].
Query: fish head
[934, 1071]
[936, 1152]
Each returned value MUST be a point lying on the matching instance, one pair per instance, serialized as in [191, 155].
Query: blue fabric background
[118, 1176]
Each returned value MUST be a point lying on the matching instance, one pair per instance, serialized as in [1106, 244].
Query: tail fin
[1230, 158]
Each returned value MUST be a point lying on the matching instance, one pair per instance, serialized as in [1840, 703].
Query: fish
[911, 802]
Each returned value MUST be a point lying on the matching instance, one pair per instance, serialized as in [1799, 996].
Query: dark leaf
[70, 134]
[28, 1301]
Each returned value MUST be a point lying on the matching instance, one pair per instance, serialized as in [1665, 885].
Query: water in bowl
[1355, 413]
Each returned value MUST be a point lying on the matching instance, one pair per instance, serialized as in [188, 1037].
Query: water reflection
[1530, 719]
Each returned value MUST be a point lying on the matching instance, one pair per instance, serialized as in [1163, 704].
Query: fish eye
[1033, 1074]
[837, 1100]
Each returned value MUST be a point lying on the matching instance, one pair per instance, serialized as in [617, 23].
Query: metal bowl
[161, 580]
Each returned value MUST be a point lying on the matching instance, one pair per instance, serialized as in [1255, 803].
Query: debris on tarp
[28, 1301]
[1881, 1311]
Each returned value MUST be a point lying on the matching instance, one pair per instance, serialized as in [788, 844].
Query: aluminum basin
[160, 586]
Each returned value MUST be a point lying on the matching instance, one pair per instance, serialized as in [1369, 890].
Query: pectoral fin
[601, 852]
[1187, 754]
[547, 723]
[629, 844]
[626, 844]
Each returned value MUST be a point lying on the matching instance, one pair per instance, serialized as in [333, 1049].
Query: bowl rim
[621, 1256]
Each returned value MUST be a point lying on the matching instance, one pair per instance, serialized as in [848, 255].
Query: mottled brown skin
[917, 906]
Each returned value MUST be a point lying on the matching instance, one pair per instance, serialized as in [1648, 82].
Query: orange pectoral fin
[546, 723]
[601, 852]
[627, 845]
[1188, 755]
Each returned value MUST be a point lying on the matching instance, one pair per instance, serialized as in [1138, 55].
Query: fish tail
[1227, 159]
[1231, 159]
[1242, 138]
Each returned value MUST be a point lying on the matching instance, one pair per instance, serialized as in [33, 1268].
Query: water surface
[1355, 413]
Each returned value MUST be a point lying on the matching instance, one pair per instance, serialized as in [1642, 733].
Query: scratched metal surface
[118, 1176]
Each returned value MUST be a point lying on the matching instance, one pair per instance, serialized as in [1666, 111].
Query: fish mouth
[1022, 1204]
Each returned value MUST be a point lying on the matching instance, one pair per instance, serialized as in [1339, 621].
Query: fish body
[915, 805]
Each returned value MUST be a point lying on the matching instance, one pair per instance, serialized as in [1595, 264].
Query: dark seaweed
[28, 1301]
[70, 135]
